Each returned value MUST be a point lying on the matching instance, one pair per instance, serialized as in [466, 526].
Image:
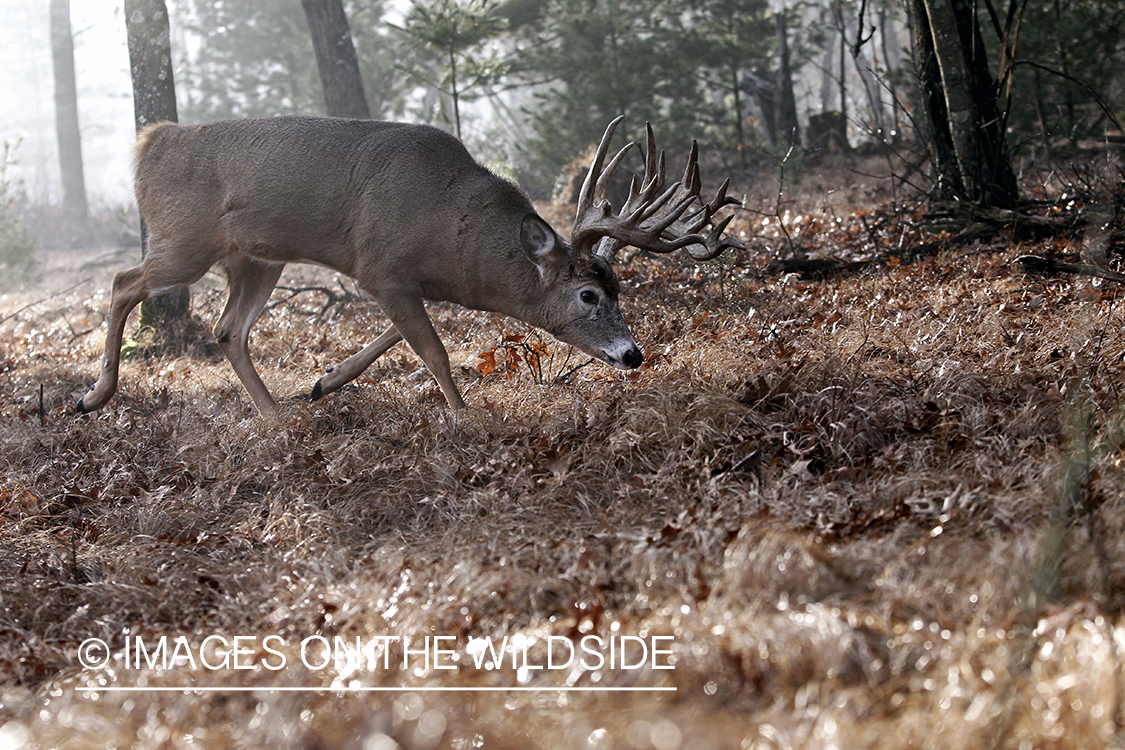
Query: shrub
[18, 259]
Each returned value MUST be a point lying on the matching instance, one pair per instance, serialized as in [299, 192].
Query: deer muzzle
[623, 354]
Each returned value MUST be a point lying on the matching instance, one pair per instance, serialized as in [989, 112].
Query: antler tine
[699, 218]
[603, 178]
[714, 244]
[691, 170]
[650, 219]
[641, 194]
[679, 201]
[654, 167]
[717, 244]
[593, 181]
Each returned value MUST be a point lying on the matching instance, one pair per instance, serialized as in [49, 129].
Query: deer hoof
[317, 392]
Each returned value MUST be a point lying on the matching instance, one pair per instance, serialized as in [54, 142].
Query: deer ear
[542, 245]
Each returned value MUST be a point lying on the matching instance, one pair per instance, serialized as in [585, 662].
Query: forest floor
[882, 509]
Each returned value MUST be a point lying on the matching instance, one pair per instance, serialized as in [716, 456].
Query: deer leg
[352, 367]
[154, 276]
[408, 313]
[129, 290]
[251, 282]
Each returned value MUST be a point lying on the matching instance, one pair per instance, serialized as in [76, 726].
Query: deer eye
[589, 297]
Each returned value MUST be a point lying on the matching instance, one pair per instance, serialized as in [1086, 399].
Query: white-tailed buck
[405, 211]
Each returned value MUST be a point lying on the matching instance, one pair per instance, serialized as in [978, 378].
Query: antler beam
[652, 218]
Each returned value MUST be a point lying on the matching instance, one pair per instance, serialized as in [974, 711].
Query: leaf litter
[881, 508]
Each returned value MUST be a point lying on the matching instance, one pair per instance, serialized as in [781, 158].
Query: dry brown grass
[884, 511]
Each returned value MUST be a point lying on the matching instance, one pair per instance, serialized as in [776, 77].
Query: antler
[649, 219]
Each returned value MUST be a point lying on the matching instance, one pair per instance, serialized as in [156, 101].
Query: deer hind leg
[251, 282]
[408, 313]
[130, 288]
[352, 367]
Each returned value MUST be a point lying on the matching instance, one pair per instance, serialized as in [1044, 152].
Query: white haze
[105, 100]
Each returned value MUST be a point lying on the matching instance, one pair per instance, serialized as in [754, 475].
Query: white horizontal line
[365, 689]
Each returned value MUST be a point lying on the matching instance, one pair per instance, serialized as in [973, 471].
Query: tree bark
[66, 119]
[336, 59]
[739, 131]
[960, 97]
[827, 83]
[937, 135]
[154, 100]
[764, 92]
[842, 81]
[787, 126]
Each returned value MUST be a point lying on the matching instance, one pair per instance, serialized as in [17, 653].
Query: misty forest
[855, 480]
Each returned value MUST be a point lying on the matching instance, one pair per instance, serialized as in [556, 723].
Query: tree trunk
[827, 83]
[739, 133]
[1038, 98]
[336, 59]
[764, 92]
[154, 100]
[892, 58]
[787, 126]
[1064, 68]
[960, 96]
[937, 136]
[456, 96]
[842, 81]
[66, 120]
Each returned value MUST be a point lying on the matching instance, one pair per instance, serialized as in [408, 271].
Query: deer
[405, 211]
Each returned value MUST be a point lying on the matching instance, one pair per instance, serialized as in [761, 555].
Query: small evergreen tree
[592, 60]
[455, 32]
[728, 39]
[18, 261]
[256, 60]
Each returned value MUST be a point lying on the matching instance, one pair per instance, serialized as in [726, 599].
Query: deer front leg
[408, 313]
[251, 282]
[352, 367]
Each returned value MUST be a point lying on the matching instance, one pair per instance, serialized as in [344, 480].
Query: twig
[860, 39]
[1044, 264]
[824, 267]
[563, 378]
[29, 305]
[1097, 99]
[333, 297]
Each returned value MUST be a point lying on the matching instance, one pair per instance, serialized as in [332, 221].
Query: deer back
[386, 203]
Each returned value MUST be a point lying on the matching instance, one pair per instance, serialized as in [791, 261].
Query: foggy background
[542, 97]
[105, 100]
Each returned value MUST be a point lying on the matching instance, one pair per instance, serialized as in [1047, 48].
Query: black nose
[633, 358]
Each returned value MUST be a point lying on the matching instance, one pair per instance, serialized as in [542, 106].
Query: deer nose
[632, 358]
